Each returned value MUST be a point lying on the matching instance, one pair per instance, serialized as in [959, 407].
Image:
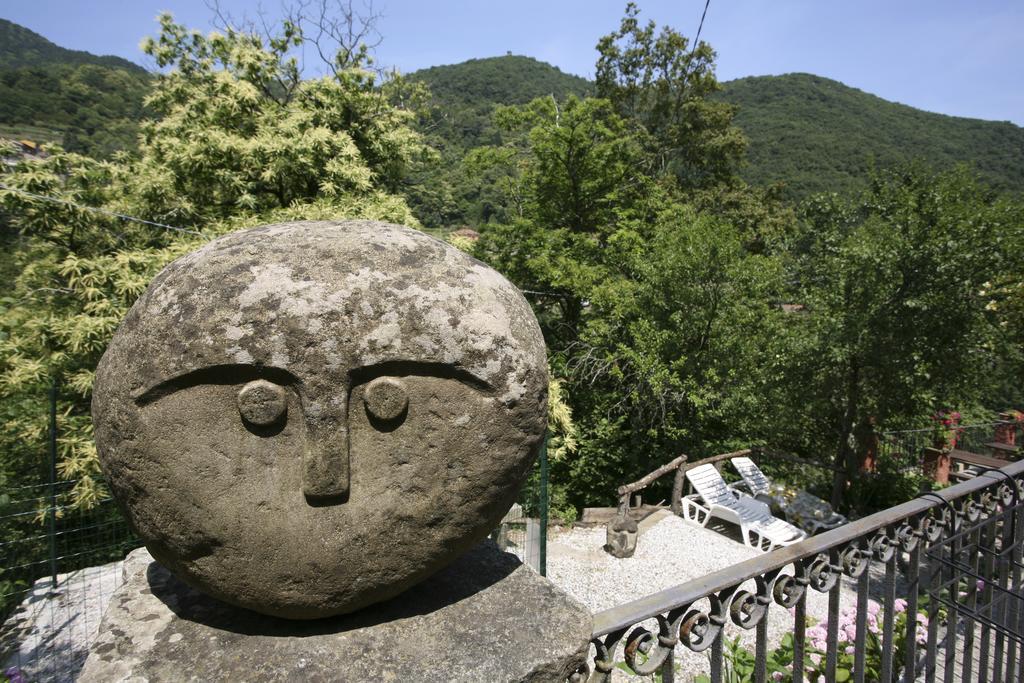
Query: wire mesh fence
[523, 530]
[60, 565]
[58, 568]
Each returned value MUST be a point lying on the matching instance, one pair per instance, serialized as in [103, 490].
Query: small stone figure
[621, 534]
[304, 419]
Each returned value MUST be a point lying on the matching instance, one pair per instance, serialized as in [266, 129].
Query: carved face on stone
[303, 419]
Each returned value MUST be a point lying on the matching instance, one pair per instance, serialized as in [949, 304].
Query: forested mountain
[808, 132]
[20, 47]
[816, 134]
[463, 95]
[512, 79]
[88, 104]
[458, 118]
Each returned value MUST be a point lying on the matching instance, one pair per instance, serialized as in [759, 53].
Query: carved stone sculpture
[307, 418]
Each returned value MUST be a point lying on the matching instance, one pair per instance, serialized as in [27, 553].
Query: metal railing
[955, 554]
[907, 446]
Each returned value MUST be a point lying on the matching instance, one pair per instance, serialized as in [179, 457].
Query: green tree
[898, 322]
[664, 88]
[652, 310]
[652, 268]
[573, 179]
[237, 129]
[237, 139]
[658, 81]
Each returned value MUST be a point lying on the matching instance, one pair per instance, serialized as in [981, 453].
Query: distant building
[24, 150]
[467, 233]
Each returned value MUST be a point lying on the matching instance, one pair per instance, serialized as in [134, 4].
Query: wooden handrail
[717, 458]
[627, 489]
[681, 465]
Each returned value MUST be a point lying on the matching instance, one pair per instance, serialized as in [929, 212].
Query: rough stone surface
[486, 617]
[48, 636]
[621, 536]
[234, 427]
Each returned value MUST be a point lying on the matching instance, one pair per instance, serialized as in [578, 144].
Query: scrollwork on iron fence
[697, 616]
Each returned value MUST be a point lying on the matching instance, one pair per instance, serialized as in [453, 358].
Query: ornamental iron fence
[945, 569]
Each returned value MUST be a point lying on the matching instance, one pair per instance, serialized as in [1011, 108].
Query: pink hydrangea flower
[900, 605]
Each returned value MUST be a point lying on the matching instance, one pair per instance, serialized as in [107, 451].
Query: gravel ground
[670, 552]
[54, 628]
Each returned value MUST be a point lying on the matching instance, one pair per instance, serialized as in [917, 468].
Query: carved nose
[325, 467]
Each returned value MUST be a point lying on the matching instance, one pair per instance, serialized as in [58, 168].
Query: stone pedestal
[484, 618]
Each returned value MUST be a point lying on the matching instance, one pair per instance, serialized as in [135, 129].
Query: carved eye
[262, 403]
[386, 399]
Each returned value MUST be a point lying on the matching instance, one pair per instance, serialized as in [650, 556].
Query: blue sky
[955, 57]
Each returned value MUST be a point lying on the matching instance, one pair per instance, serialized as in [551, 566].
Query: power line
[696, 40]
[93, 209]
[114, 214]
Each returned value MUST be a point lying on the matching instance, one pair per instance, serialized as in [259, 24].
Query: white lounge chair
[760, 529]
[755, 480]
[801, 508]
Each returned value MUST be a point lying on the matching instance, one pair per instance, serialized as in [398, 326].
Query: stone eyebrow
[401, 368]
[230, 373]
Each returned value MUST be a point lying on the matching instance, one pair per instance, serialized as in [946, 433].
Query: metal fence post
[53, 485]
[543, 554]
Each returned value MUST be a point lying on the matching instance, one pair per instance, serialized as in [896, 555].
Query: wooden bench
[1003, 450]
[962, 460]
